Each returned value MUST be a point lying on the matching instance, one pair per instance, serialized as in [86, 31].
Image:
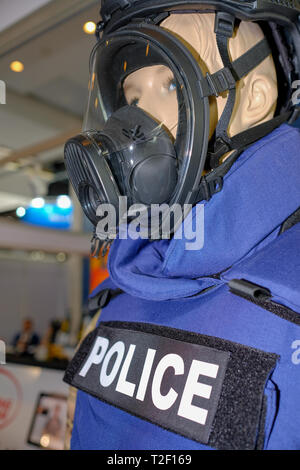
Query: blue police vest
[201, 349]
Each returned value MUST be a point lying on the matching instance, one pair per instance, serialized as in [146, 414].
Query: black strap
[222, 143]
[226, 78]
[212, 183]
[223, 34]
[242, 140]
[248, 137]
[224, 28]
[251, 59]
[109, 8]
[102, 299]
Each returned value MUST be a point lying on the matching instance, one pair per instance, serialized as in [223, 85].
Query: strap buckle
[220, 148]
[102, 299]
[107, 10]
[207, 188]
[99, 301]
[220, 81]
[224, 24]
[99, 28]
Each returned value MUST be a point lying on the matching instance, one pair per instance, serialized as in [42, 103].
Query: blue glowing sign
[58, 216]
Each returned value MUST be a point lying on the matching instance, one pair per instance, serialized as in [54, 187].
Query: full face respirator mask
[130, 149]
[127, 151]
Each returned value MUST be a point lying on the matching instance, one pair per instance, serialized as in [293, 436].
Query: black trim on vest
[261, 297]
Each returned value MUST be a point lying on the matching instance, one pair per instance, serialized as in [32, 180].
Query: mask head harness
[128, 153]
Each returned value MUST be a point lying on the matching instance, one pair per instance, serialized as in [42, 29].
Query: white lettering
[123, 386]
[129, 461]
[96, 356]
[145, 374]
[107, 379]
[107, 226]
[138, 228]
[165, 402]
[296, 94]
[296, 354]
[197, 234]
[193, 387]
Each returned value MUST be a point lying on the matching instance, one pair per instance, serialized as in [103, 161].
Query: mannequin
[139, 386]
[153, 89]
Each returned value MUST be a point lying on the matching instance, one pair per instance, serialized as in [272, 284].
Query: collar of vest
[260, 192]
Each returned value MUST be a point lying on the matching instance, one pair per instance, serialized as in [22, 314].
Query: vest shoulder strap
[102, 295]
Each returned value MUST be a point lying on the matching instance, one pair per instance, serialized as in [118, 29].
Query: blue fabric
[261, 190]
[220, 314]
[242, 225]
[277, 268]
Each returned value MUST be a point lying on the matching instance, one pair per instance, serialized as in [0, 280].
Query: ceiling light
[63, 202]
[89, 27]
[37, 202]
[21, 211]
[17, 66]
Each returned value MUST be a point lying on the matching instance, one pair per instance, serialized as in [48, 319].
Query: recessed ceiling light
[89, 27]
[17, 66]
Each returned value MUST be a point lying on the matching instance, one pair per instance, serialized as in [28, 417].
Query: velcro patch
[187, 383]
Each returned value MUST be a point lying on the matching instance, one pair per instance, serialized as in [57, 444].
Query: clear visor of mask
[138, 106]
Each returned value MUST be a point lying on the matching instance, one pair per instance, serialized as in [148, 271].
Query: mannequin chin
[152, 88]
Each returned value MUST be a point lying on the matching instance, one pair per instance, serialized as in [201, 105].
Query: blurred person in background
[53, 342]
[26, 341]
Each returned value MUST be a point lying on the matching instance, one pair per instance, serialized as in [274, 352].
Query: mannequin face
[153, 88]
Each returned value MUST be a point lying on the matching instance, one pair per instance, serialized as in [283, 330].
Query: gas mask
[129, 149]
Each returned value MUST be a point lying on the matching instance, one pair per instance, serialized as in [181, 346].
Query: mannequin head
[152, 88]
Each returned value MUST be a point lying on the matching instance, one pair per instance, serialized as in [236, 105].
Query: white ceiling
[48, 98]
[12, 11]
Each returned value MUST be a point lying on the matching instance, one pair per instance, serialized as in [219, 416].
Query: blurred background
[45, 269]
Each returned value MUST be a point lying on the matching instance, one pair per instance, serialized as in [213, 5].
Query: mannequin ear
[261, 100]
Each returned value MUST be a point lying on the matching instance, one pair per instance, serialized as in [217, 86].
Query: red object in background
[98, 271]
[10, 399]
